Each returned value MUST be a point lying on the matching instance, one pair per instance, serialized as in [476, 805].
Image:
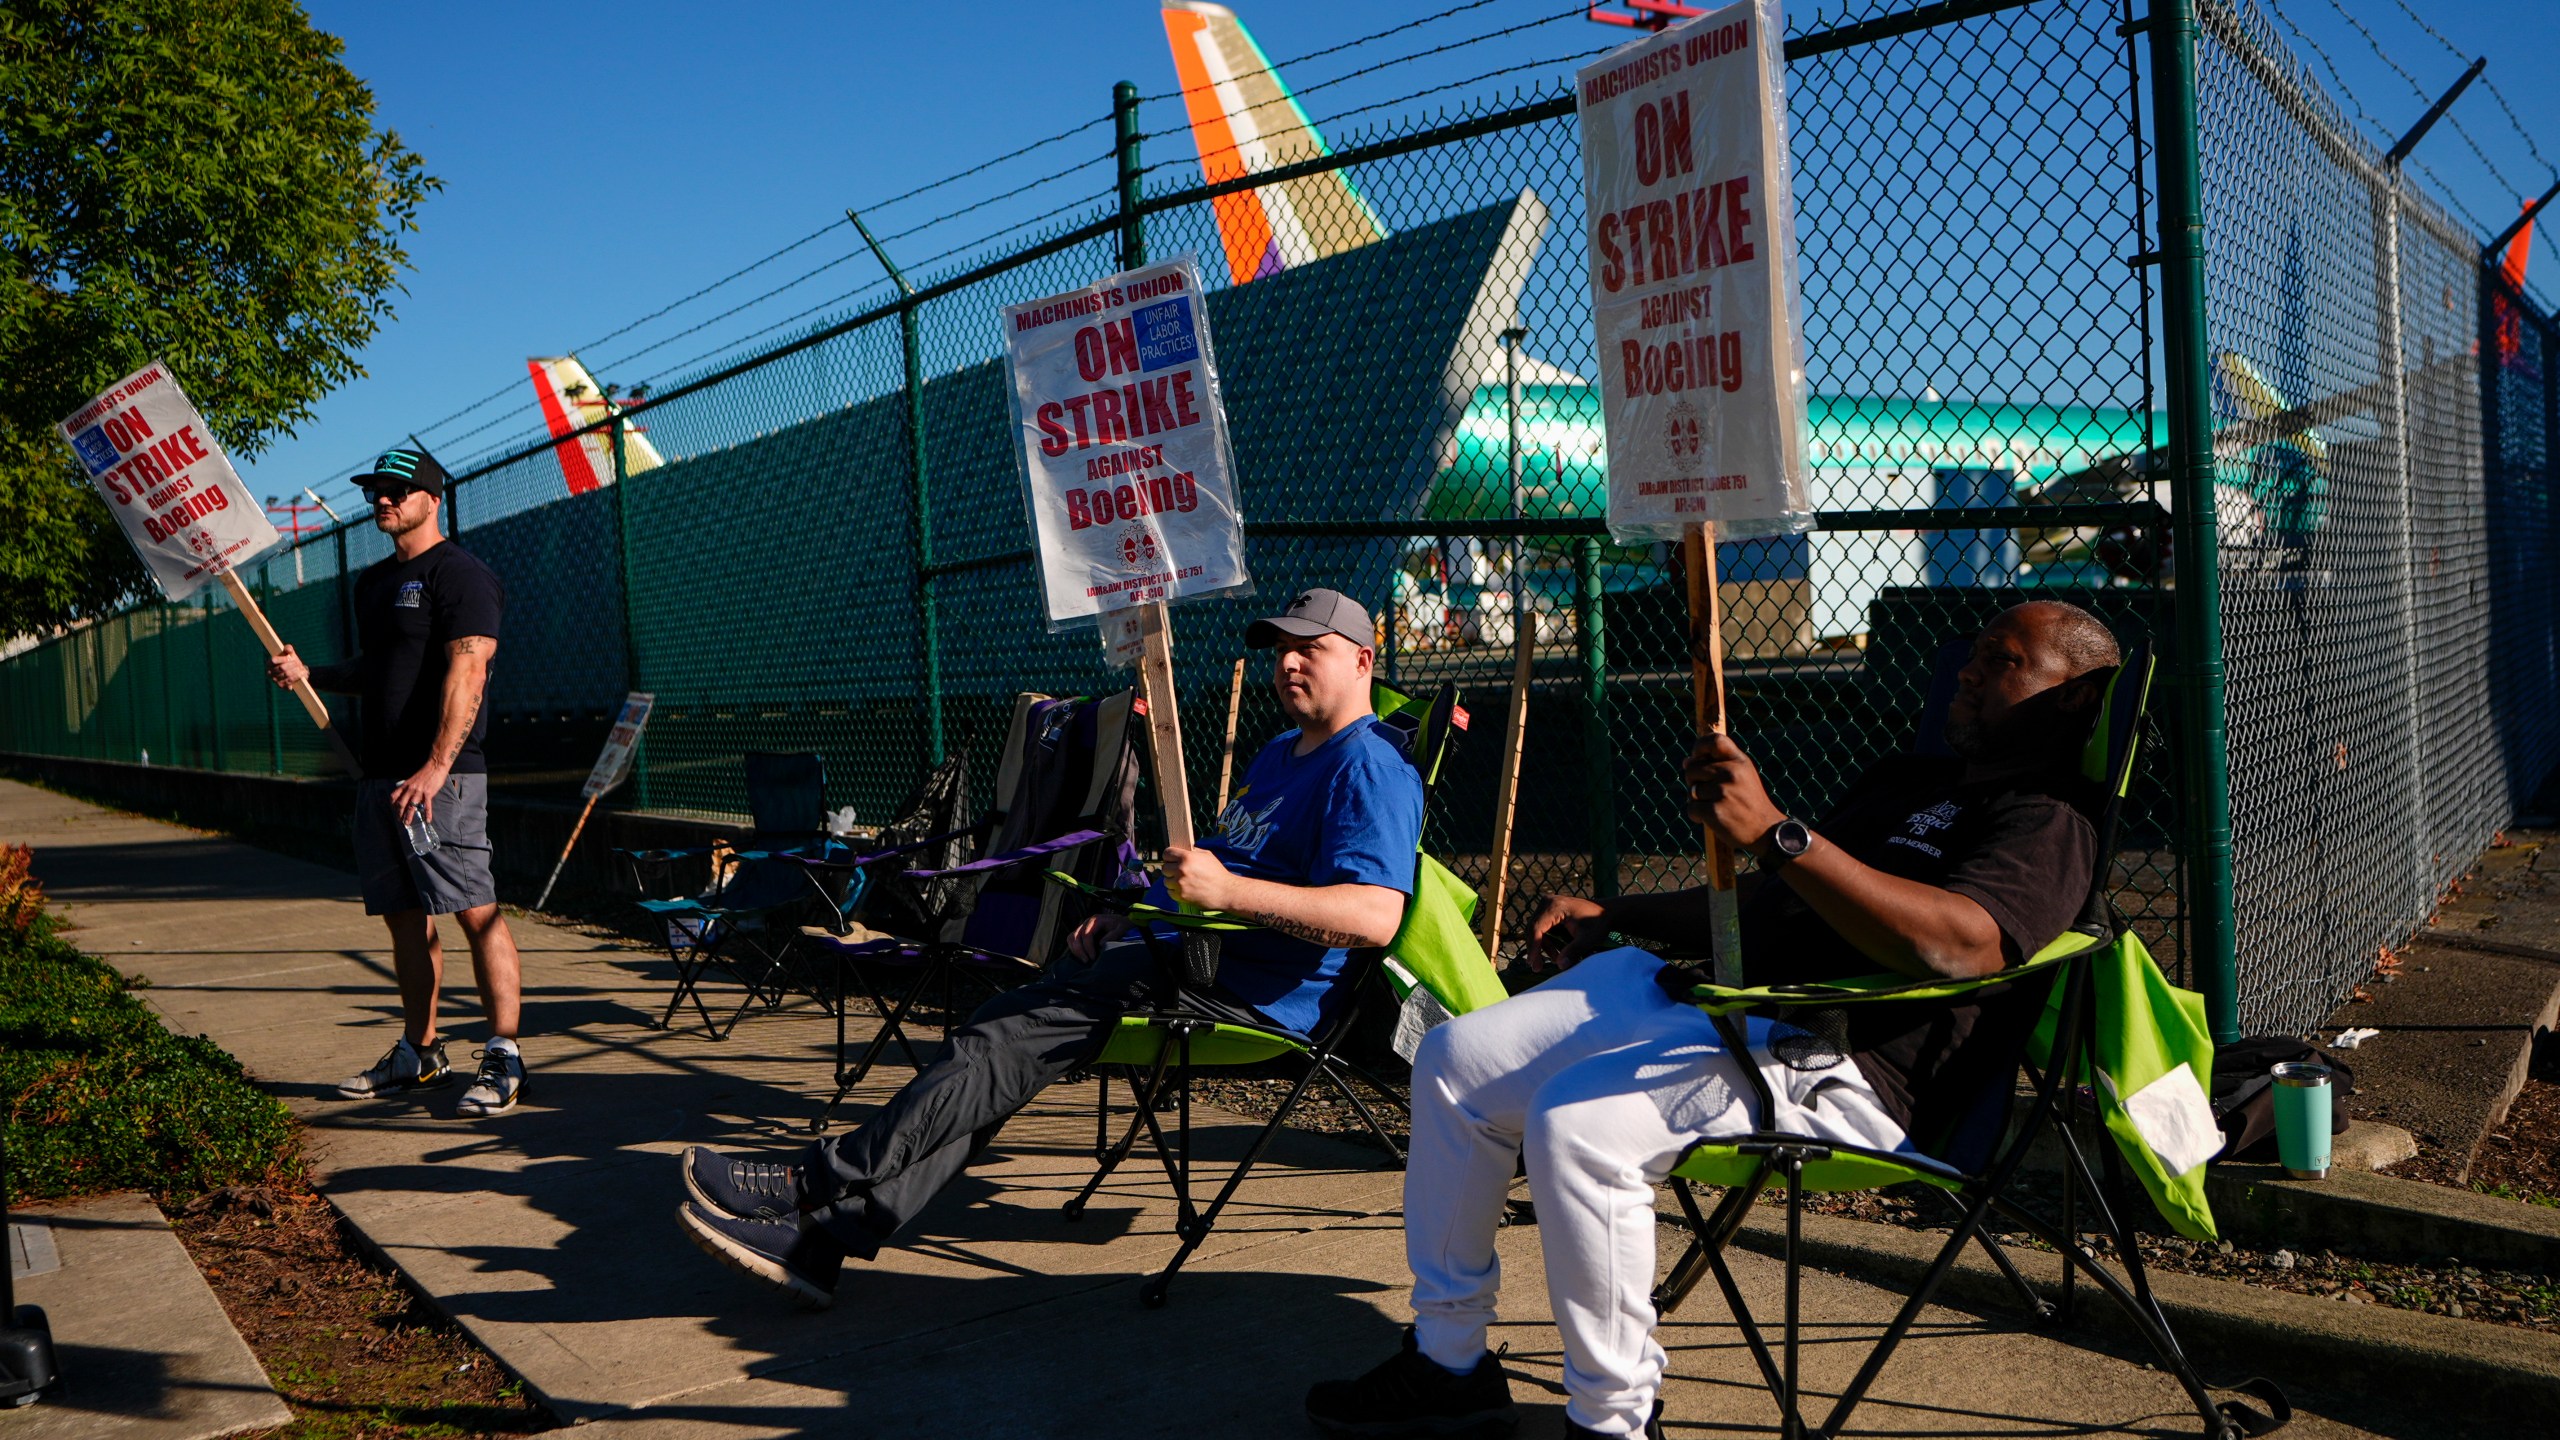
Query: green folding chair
[1434, 953]
[2108, 1015]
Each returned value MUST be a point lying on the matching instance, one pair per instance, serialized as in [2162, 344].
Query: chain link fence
[834, 555]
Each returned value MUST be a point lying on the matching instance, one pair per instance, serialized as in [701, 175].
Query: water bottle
[421, 832]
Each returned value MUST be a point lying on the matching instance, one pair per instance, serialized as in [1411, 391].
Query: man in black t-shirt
[426, 628]
[1603, 1080]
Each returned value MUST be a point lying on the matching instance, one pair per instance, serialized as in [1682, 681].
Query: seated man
[1318, 847]
[1604, 1080]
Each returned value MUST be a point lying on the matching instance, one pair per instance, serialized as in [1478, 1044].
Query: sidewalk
[549, 1234]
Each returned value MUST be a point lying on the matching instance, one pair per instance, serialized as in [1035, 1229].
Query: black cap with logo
[414, 468]
[1313, 613]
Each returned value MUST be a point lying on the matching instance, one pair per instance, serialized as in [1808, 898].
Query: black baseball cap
[1313, 613]
[414, 468]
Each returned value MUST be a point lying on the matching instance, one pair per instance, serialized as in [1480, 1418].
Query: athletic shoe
[1411, 1395]
[1652, 1427]
[496, 1088]
[802, 1260]
[748, 1189]
[403, 1068]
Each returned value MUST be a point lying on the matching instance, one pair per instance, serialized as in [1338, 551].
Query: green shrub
[100, 1096]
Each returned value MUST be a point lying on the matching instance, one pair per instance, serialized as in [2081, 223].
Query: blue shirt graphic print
[1350, 813]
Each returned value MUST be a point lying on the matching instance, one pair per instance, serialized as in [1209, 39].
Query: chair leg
[1791, 1414]
[1197, 1228]
[1706, 1238]
[1142, 1098]
[1361, 1108]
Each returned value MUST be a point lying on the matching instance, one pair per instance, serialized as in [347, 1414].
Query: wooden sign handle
[1227, 748]
[1706, 689]
[1515, 729]
[1164, 723]
[312, 704]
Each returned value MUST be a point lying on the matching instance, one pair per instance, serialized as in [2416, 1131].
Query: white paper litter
[2350, 1039]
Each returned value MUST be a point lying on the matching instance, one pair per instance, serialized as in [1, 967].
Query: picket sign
[180, 504]
[1697, 313]
[613, 764]
[1128, 477]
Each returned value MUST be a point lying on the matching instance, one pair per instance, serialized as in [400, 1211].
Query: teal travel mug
[2302, 1118]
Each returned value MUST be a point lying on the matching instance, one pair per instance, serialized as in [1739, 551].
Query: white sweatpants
[1604, 1082]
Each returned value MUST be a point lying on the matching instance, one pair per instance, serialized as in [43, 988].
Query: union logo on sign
[1137, 548]
[1681, 435]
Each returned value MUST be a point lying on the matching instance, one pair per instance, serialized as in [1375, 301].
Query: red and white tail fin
[570, 400]
[1245, 122]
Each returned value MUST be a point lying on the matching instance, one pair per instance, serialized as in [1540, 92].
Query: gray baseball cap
[1313, 613]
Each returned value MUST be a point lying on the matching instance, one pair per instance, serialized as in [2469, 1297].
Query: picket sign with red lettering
[1127, 473]
[167, 481]
[1693, 278]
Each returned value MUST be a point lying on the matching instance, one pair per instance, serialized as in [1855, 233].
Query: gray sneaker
[496, 1088]
[403, 1068]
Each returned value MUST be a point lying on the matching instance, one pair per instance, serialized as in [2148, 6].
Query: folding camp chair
[741, 919]
[1973, 1164]
[1434, 954]
[1068, 783]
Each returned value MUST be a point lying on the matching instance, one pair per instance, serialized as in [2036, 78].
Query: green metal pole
[1124, 143]
[2205, 814]
[920, 494]
[1600, 785]
[630, 634]
[213, 685]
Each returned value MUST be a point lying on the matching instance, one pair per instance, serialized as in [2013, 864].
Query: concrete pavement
[548, 1233]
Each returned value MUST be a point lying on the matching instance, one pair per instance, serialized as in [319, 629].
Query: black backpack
[2244, 1102]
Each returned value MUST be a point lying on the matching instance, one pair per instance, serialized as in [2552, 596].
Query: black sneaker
[1412, 1395]
[1652, 1427]
[748, 1189]
[779, 1252]
[403, 1068]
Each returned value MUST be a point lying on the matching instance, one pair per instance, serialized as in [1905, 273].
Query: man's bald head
[2079, 641]
[2016, 697]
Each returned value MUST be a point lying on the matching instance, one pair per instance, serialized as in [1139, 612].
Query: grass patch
[98, 1095]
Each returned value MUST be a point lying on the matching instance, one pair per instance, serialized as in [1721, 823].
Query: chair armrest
[1071, 841]
[1865, 989]
[1132, 904]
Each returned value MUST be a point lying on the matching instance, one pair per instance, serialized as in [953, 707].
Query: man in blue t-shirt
[1317, 848]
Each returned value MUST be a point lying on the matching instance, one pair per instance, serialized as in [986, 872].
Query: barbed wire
[1273, 67]
[2486, 82]
[1301, 92]
[2374, 43]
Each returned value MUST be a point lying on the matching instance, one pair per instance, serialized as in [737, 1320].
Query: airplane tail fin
[1244, 121]
[2251, 397]
[2519, 251]
[570, 400]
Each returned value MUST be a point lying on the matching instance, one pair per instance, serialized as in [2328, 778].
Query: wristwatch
[1788, 839]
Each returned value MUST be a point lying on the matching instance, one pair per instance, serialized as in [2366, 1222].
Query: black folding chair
[742, 920]
[987, 922]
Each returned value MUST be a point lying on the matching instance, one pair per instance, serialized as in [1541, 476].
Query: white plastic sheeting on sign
[1693, 278]
[1127, 472]
[167, 481]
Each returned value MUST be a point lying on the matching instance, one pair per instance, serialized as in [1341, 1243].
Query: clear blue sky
[606, 163]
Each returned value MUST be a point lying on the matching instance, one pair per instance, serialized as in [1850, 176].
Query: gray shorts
[453, 876]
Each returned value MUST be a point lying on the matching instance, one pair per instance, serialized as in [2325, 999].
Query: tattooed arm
[466, 680]
[1328, 915]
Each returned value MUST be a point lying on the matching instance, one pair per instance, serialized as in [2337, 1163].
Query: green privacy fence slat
[1971, 179]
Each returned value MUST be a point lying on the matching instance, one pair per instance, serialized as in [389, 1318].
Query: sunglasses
[389, 494]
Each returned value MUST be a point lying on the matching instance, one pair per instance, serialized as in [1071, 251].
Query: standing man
[426, 627]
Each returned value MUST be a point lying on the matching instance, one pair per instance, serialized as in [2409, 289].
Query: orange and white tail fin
[1245, 122]
[571, 400]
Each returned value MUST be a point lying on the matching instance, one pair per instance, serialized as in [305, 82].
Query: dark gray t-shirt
[407, 612]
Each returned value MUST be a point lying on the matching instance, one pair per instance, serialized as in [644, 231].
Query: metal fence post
[1599, 779]
[2206, 811]
[630, 634]
[213, 686]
